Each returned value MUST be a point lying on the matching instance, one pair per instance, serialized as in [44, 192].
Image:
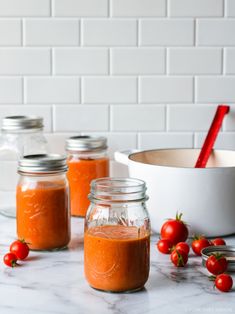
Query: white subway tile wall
[230, 8]
[24, 8]
[196, 8]
[145, 73]
[25, 61]
[51, 32]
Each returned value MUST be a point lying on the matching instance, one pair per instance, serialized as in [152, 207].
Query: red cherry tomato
[183, 246]
[175, 230]
[164, 246]
[20, 249]
[216, 264]
[218, 241]
[199, 243]
[224, 282]
[179, 258]
[10, 259]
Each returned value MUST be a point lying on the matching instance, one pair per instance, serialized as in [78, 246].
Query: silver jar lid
[86, 143]
[42, 163]
[17, 123]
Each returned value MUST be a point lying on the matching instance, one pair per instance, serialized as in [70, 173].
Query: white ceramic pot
[206, 197]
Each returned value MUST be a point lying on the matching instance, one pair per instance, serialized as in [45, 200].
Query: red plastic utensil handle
[207, 147]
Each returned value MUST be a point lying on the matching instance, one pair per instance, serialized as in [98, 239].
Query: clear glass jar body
[43, 211]
[117, 237]
[84, 166]
[14, 145]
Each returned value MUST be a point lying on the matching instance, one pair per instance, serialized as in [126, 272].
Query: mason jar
[42, 202]
[117, 235]
[20, 135]
[87, 160]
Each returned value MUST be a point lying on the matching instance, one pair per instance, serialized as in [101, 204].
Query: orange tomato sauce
[43, 217]
[80, 174]
[116, 258]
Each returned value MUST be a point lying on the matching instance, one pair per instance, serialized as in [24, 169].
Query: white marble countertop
[54, 283]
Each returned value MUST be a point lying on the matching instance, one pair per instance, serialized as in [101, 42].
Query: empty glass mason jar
[42, 202]
[20, 135]
[117, 235]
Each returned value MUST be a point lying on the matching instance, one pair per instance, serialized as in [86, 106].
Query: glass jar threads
[42, 202]
[117, 235]
[87, 160]
[20, 135]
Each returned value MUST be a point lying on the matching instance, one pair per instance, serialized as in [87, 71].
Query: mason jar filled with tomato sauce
[117, 235]
[87, 160]
[42, 202]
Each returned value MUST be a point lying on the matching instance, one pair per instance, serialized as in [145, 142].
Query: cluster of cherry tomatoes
[19, 250]
[217, 264]
[174, 233]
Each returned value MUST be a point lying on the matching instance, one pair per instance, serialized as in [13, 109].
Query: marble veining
[54, 283]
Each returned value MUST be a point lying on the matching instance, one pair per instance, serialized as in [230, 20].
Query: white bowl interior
[184, 158]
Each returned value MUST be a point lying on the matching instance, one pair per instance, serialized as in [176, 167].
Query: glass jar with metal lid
[87, 160]
[20, 135]
[117, 235]
[42, 202]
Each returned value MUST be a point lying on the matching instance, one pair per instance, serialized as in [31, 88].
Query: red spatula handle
[207, 147]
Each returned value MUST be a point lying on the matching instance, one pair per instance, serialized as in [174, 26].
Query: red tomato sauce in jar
[87, 160]
[81, 173]
[42, 202]
[116, 258]
[42, 216]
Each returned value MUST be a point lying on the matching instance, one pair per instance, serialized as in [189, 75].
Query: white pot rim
[229, 154]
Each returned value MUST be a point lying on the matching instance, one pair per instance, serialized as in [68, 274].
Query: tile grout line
[195, 25]
[225, 8]
[109, 8]
[51, 8]
[81, 33]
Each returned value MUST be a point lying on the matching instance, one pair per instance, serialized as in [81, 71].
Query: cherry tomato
[199, 243]
[10, 259]
[216, 264]
[175, 230]
[20, 249]
[218, 241]
[164, 246]
[224, 282]
[183, 246]
[179, 258]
